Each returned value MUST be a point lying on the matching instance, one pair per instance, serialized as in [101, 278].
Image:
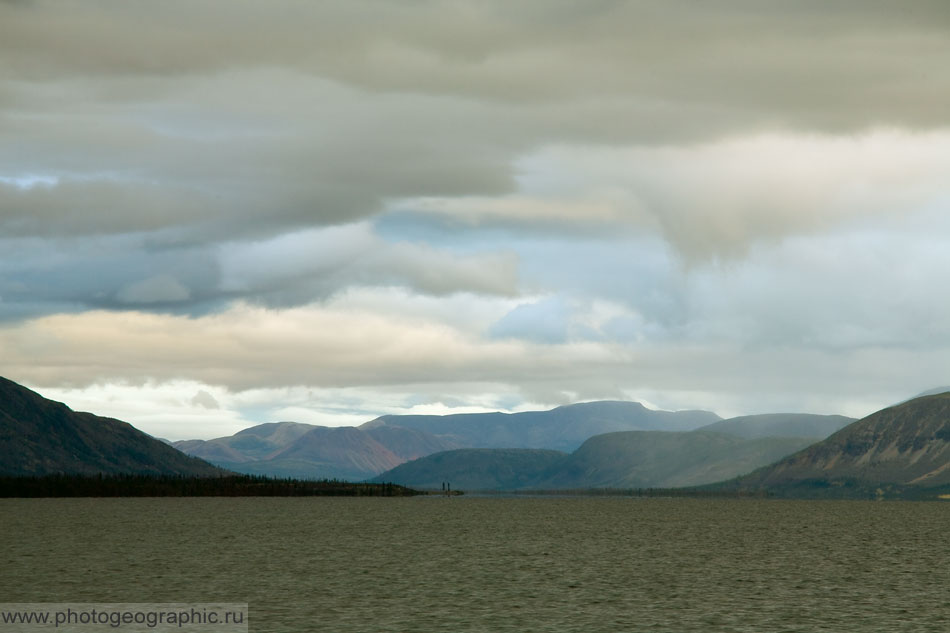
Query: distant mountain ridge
[291, 449]
[40, 437]
[781, 425]
[563, 428]
[249, 445]
[307, 451]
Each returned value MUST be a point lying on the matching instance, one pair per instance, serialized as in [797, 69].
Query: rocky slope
[905, 444]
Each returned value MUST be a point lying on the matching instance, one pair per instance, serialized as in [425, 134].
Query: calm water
[470, 564]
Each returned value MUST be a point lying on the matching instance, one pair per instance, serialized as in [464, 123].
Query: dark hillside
[40, 436]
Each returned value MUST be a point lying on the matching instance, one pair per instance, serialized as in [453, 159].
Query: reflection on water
[477, 564]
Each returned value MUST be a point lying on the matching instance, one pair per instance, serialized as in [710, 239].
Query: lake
[494, 564]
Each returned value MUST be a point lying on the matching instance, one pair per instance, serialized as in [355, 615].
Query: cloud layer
[482, 205]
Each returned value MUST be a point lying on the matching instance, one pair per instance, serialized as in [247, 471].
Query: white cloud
[341, 355]
[295, 268]
[165, 409]
[544, 321]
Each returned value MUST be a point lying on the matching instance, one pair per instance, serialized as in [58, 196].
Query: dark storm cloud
[840, 63]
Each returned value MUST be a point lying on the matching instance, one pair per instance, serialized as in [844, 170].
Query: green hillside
[625, 459]
[476, 469]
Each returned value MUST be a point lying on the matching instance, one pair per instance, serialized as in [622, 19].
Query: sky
[222, 213]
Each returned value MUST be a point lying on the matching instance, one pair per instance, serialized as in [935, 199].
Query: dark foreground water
[477, 564]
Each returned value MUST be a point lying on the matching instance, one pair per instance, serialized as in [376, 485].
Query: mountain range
[563, 428]
[903, 450]
[305, 451]
[290, 449]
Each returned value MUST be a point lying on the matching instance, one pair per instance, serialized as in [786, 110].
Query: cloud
[246, 347]
[42, 276]
[120, 271]
[155, 289]
[241, 122]
[567, 317]
[845, 65]
[163, 409]
[858, 277]
[296, 268]
[204, 399]
[717, 199]
[94, 207]
[545, 321]
[212, 159]
[199, 152]
[494, 202]
[379, 363]
[843, 292]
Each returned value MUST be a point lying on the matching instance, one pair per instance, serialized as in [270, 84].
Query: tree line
[133, 485]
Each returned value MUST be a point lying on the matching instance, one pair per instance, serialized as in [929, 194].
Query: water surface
[494, 564]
